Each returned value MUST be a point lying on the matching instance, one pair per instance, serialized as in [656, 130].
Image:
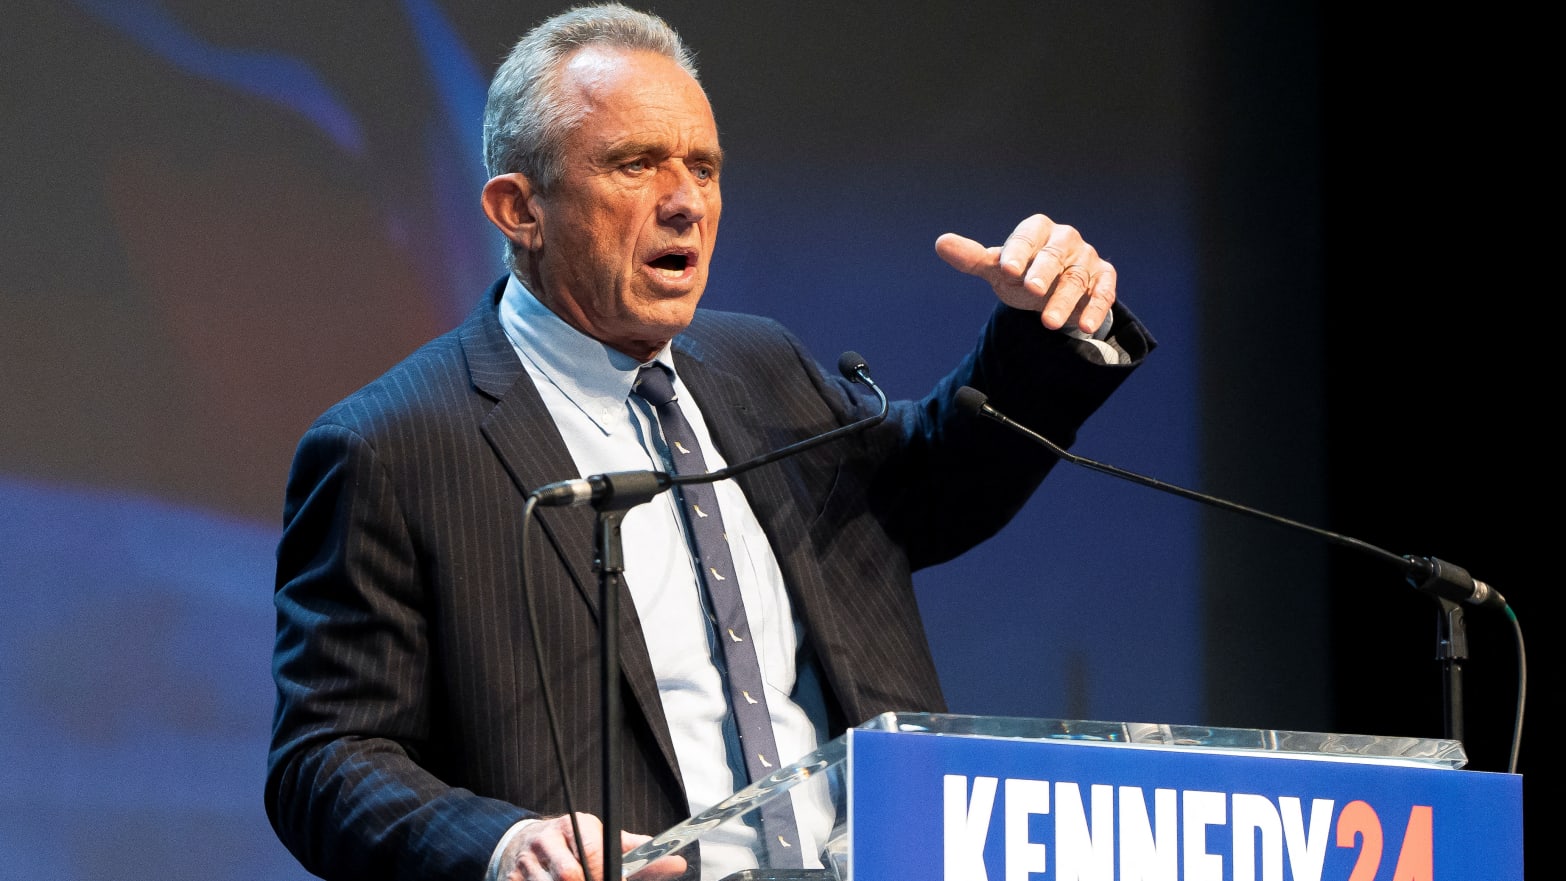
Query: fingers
[1026, 244]
[1043, 267]
[547, 850]
[966, 255]
[660, 869]
[1092, 310]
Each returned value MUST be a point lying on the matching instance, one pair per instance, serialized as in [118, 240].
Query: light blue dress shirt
[586, 386]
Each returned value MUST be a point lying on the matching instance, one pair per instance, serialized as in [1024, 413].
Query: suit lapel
[736, 416]
[523, 436]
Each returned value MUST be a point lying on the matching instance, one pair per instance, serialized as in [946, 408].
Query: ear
[512, 205]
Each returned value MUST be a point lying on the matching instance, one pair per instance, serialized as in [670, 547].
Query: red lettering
[1359, 821]
[1416, 859]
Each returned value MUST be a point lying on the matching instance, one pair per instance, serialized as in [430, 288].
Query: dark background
[219, 218]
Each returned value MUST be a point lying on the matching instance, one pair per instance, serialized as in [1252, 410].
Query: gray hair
[526, 119]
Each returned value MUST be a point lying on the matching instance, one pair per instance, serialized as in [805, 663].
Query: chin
[670, 316]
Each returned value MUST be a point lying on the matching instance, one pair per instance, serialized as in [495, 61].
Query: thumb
[966, 255]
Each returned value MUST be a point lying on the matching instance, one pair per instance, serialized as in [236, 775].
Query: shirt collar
[595, 378]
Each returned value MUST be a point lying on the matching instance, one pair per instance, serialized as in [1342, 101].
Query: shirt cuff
[1099, 340]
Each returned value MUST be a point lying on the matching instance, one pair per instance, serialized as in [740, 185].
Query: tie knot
[655, 385]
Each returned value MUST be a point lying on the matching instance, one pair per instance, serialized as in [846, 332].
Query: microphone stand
[1450, 585]
[627, 491]
[611, 566]
[1451, 651]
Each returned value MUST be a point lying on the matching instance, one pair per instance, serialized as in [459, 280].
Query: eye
[704, 172]
[635, 166]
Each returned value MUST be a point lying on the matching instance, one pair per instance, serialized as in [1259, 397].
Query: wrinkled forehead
[615, 90]
[600, 73]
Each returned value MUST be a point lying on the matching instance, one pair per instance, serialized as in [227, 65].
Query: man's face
[625, 237]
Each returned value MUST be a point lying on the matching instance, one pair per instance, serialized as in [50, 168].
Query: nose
[684, 200]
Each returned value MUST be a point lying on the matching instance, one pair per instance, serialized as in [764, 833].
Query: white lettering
[1081, 853]
[1201, 809]
[968, 825]
[1307, 854]
[1112, 836]
[1146, 855]
[1254, 815]
[1024, 798]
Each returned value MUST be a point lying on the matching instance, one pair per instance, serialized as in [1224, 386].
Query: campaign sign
[944, 808]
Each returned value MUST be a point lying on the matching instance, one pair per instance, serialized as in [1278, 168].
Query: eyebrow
[713, 157]
[628, 149]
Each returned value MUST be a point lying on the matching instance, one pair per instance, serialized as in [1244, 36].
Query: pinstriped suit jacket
[409, 732]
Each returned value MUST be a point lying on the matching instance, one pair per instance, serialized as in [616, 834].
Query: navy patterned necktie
[747, 697]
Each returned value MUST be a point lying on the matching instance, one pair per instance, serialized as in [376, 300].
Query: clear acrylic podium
[909, 796]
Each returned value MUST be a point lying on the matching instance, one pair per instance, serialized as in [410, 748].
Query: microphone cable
[548, 697]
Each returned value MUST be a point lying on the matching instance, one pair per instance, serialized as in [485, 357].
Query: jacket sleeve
[345, 788]
[954, 479]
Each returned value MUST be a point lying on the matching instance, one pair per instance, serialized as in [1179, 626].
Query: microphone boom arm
[623, 490]
[1449, 585]
[1427, 574]
[857, 372]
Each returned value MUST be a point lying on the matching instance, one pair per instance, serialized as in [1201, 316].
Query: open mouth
[672, 264]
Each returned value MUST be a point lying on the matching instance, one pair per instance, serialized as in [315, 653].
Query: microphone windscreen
[971, 399]
[850, 364]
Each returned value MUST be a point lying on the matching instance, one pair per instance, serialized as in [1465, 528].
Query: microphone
[602, 488]
[625, 489]
[1426, 574]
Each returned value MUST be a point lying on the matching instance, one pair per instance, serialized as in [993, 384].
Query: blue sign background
[896, 800]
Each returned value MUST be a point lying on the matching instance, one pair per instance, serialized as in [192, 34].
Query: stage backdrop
[220, 218]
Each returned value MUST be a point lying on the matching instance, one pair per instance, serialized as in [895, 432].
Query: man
[410, 737]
